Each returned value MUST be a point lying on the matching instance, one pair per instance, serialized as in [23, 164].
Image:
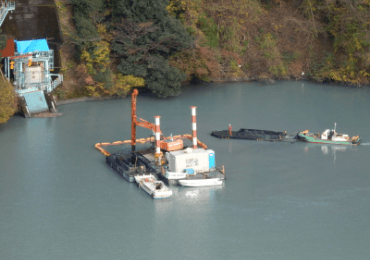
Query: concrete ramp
[34, 102]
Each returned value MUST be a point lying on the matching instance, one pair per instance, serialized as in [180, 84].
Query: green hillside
[114, 45]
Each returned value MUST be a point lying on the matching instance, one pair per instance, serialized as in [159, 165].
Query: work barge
[250, 134]
[170, 159]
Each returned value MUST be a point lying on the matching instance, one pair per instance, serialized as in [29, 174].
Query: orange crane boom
[135, 122]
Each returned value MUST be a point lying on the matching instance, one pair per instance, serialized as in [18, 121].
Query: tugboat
[328, 137]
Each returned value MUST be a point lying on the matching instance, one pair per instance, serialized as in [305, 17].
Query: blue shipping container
[212, 160]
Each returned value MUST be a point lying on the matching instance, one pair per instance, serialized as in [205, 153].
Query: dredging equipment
[165, 154]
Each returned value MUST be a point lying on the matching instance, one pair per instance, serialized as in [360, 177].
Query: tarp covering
[32, 45]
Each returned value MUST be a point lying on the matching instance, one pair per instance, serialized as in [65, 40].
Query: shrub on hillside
[7, 100]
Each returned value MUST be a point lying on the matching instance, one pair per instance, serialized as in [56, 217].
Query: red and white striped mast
[157, 132]
[194, 125]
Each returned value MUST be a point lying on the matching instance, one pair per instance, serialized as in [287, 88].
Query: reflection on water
[334, 149]
[194, 225]
[192, 193]
[204, 194]
[331, 150]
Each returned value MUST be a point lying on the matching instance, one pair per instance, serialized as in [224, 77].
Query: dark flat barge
[130, 164]
[251, 134]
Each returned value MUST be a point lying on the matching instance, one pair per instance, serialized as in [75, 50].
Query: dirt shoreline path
[83, 99]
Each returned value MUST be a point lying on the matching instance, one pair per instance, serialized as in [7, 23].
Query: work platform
[170, 159]
[128, 165]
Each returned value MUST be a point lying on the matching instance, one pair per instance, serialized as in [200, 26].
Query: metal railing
[5, 7]
[56, 82]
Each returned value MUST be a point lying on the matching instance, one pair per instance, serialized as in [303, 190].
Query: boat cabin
[332, 135]
[191, 160]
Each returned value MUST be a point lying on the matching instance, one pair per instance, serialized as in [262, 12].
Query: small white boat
[175, 175]
[201, 182]
[152, 186]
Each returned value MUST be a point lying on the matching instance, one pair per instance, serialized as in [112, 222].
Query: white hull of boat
[175, 175]
[201, 182]
[153, 187]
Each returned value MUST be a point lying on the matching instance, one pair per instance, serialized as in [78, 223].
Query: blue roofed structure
[30, 69]
[32, 46]
[31, 64]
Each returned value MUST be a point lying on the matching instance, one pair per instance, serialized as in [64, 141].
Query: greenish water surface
[281, 201]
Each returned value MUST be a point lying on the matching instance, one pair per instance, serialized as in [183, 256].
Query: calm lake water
[281, 201]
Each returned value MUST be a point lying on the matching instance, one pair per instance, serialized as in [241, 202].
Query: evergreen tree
[86, 32]
[88, 8]
[87, 14]
[144, 39]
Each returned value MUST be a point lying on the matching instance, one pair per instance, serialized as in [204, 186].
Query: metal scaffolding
[32, 70]
[5, 7]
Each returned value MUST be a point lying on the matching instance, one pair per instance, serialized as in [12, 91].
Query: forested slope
[326, 40]
[114, 45]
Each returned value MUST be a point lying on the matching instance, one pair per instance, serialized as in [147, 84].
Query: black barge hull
[129, 165]
[251, 134]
